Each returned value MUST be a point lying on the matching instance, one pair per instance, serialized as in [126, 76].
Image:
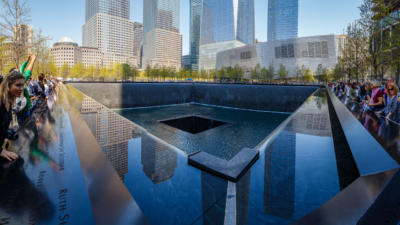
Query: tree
[204, 75]
[103, 73]
[300, 71]
[356, 49]
[221, 74]
[126, 71]
[8, 66]
[64, 70]
[52, 69]
[78, 70]
[42, 52]
[147, 71]
[115, 71]
[3, 55]
[308, 76]
[238, 73]
[91, 72]
[283, 73]
[134, 73]
[322, 73]
[270, 72]
[255, 73]
[16, 13]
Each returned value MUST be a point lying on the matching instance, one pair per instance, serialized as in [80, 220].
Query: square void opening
[193, 124]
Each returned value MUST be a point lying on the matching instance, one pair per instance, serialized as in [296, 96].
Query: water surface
[243, 128]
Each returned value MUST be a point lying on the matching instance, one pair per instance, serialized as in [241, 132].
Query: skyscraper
[283, 19]
[196, 7]
[109, 29]
[219, 25]
[119, 8]
[227, 20]
[162, 43]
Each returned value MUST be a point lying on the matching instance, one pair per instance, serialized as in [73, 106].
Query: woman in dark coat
[11, 87]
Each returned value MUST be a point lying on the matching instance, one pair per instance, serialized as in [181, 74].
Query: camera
[12, 134]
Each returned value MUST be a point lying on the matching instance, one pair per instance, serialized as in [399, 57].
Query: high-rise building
[219, 25]
[119, 8]
[227, 20]
[138, 40]
[25, 36]
[108, 27]
[162, 43]
[283, 19]
[196, 8]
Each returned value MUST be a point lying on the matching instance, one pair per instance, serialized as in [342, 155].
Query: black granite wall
[259, 97]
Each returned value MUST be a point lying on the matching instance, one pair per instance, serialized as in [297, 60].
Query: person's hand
[10, 156]
[33, 56]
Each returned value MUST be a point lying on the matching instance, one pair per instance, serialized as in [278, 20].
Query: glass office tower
[196, 8]
[283, 19]
[220, 21]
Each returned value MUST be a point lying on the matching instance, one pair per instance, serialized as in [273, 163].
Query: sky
[64, 18]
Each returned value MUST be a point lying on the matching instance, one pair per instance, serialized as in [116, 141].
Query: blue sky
[59, 18]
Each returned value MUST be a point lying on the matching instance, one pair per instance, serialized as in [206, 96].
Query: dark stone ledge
[231, 170]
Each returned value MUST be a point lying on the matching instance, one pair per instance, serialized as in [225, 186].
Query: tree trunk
[397, 73]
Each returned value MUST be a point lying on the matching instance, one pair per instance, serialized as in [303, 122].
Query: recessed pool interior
[193, 124]
[220, 131]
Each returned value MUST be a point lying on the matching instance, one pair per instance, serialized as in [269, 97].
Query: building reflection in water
[242, 198]
[279, 176]
[112, 132]
[212, 188]
[159, 162]
[312, 119]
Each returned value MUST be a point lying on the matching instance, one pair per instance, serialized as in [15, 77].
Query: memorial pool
[83, 163]
[242, 128]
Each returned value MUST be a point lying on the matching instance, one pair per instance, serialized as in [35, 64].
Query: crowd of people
[381, 98]
[21, 99]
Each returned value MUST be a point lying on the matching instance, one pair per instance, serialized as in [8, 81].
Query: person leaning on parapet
[392, 107]
[11, 88]
[375, 103]
[26, 68]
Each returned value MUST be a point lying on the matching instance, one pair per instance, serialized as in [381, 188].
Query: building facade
[162, 42]
[138, 40]
[91, 56]
[108, 27]
[66, 51]
[26, 36]
[118, 8]
[283, 19]
[216, 24]
[291, 53]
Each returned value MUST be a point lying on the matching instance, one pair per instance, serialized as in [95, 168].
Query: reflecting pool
[242, 128]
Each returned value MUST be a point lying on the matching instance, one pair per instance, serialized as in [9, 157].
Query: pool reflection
[297, 171]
